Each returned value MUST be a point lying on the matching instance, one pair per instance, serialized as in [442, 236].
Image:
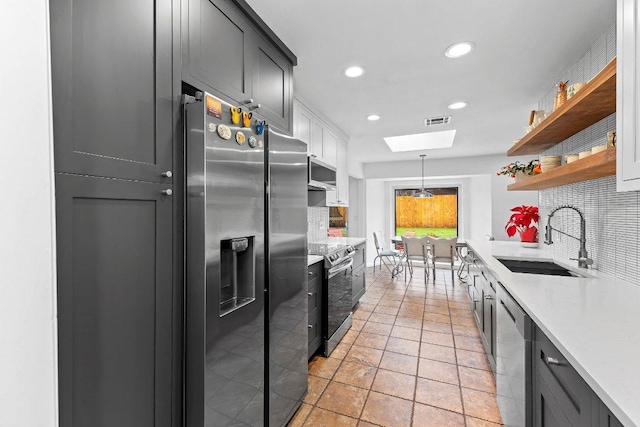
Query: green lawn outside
[440, 232]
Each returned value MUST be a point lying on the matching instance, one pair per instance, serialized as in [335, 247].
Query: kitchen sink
[548, 268]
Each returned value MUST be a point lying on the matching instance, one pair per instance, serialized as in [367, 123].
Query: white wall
[375, 215]
[356, 168]
[485, 203]
[28, 364]
[480, 207]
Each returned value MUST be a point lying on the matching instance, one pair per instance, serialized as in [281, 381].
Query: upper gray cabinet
[225, 52]
[111, 69]
[628, 96]
[219, 48]
[272, 85]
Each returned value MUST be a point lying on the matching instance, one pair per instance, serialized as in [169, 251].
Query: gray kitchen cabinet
[606, 418]
[114, 116]
[226, 53]
[314, 293]
[112, 85]
[489, 320]
[476, 300]
[547, 411]
[359, 279]
[340, 197]
[482, 294]
[562, 397]
[628, 96]
[219, 48]
[115, 296]
[272, 86]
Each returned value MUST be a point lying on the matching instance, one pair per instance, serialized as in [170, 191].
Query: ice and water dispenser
[237, 273]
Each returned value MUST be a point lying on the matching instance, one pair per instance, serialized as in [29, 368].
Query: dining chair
[384, 253]
[443, 250]
[415, 249]
[408, 233]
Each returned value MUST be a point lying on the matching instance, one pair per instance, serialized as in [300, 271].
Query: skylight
[421, 141]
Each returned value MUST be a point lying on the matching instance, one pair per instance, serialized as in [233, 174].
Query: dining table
[461, 252]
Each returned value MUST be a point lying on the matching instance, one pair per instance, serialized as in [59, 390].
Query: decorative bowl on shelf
[572, 158]
[550, 162]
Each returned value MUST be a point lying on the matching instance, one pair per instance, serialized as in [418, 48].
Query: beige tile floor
[413, 357]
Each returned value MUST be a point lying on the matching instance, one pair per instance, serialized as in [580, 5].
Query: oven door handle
[338, 269]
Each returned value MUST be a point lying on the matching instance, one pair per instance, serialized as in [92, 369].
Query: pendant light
[422, 194]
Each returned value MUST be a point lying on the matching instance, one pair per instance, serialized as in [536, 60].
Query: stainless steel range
[337, 291]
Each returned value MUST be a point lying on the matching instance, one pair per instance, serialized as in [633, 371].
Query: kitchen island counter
[593, 321]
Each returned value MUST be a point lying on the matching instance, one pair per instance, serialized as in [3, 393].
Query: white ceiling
[522, 48]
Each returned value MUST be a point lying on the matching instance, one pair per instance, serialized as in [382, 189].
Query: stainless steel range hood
[321, 177]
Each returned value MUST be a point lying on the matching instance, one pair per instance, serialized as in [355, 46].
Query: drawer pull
[488, 297]
[310, 294]
[552, 361]
[310, 326]
[310, 273]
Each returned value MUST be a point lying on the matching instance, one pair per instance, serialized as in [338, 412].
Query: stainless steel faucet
[583, 258]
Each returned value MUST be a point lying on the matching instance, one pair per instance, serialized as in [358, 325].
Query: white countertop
[353, 241]
[312, 259]
[594, 322]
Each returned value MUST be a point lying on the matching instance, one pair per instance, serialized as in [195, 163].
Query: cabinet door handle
[310, 273]
[310, 294]
[167, 192]
[552, 361]
[310, 326]
[167, 174]
[488, 297]
[358, 275]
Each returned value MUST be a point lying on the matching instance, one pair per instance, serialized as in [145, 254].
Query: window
[437, 215]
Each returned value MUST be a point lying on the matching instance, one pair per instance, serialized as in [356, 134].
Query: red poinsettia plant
[523, 220]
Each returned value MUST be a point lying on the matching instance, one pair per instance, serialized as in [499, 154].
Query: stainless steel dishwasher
[513, 361]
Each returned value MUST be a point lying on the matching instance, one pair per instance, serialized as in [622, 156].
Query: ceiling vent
[442, 120]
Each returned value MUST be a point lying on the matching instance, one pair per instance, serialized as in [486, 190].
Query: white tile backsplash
[318, 223]
[612, 218]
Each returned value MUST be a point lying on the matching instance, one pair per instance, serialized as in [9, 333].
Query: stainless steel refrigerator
[246, 269]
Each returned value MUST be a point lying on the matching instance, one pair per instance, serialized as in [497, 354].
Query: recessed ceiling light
[459, 49]
[373, 117]
[458, 105]
[421, 141]
[354, 71]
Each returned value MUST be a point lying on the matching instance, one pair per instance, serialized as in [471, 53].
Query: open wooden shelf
[595, 166]
[595, 101]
